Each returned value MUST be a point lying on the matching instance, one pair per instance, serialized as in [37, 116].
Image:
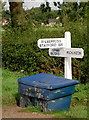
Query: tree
[72, 10]
[17, 13]
[57, 4]
[48, 8]
[45, 7]
[42, 7]
[2, 4]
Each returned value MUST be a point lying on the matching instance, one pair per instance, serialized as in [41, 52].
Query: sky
[28, 4]
[36, 3]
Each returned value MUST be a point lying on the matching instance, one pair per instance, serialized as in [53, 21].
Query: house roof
[52, 20]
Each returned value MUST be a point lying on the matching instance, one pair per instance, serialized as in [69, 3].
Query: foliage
[6, 14]
[81, 94]
[39, 15]
[73, 10]
[45, 7]
[68, 12]
[25, 55]
[2, 4]
[36, 14]
[20, 50]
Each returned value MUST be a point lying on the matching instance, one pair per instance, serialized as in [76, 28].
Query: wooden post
[67, 61]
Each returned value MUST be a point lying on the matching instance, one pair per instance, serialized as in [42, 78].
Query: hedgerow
[20, 50]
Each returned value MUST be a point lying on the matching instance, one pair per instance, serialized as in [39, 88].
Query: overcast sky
[28, 4]
[35, 3]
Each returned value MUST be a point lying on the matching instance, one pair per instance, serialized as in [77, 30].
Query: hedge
[20, 51]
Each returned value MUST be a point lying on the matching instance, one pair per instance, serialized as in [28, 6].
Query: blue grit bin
[48, 91]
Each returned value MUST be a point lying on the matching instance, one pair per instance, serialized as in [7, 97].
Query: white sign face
[55, 52]
[67, 52]
[51, 43]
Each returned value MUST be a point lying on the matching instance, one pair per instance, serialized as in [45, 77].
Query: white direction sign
[51, 43]
[61, 47]
[67, 52]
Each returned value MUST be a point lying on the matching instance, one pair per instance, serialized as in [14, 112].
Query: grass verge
[79, 111]
[10, 86]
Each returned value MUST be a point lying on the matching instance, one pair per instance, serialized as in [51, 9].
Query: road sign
[61, 47]
[67, 52]
[55, 52]
[51, 43]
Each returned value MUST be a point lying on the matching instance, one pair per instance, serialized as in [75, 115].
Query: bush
[24, 54]
[20, 50]
[28, 57]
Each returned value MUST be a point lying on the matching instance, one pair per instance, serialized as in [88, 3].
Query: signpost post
[61, 47]
[67, 61]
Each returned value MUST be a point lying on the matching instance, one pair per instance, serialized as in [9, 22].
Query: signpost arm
[67, 61]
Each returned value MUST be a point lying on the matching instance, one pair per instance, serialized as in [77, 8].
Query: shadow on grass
[17, 98]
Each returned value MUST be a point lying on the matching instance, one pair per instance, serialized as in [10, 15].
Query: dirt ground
[14, 111]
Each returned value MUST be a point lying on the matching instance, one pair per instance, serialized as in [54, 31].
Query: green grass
[79, 111]
[74, 112]
[10, 86]
[31, 109]
[78, 108]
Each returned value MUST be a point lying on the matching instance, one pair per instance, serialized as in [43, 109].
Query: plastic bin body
[45, 88]
[57, 104]
[44, 93]
[62, 103]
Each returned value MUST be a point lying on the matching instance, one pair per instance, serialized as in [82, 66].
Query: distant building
[4, 21]
[57, 20]
[51, 21]
[54, 21]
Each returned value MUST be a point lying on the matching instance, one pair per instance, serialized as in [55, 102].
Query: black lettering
[61, 44]
[74, 52]
[69, 52]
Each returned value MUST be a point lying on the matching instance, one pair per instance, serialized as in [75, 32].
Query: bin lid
[47, 81]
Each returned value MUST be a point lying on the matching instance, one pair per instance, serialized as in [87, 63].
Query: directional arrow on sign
[67, 52]
[51, 43]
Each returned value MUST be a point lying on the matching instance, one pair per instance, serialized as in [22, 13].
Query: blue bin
[50, 92]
